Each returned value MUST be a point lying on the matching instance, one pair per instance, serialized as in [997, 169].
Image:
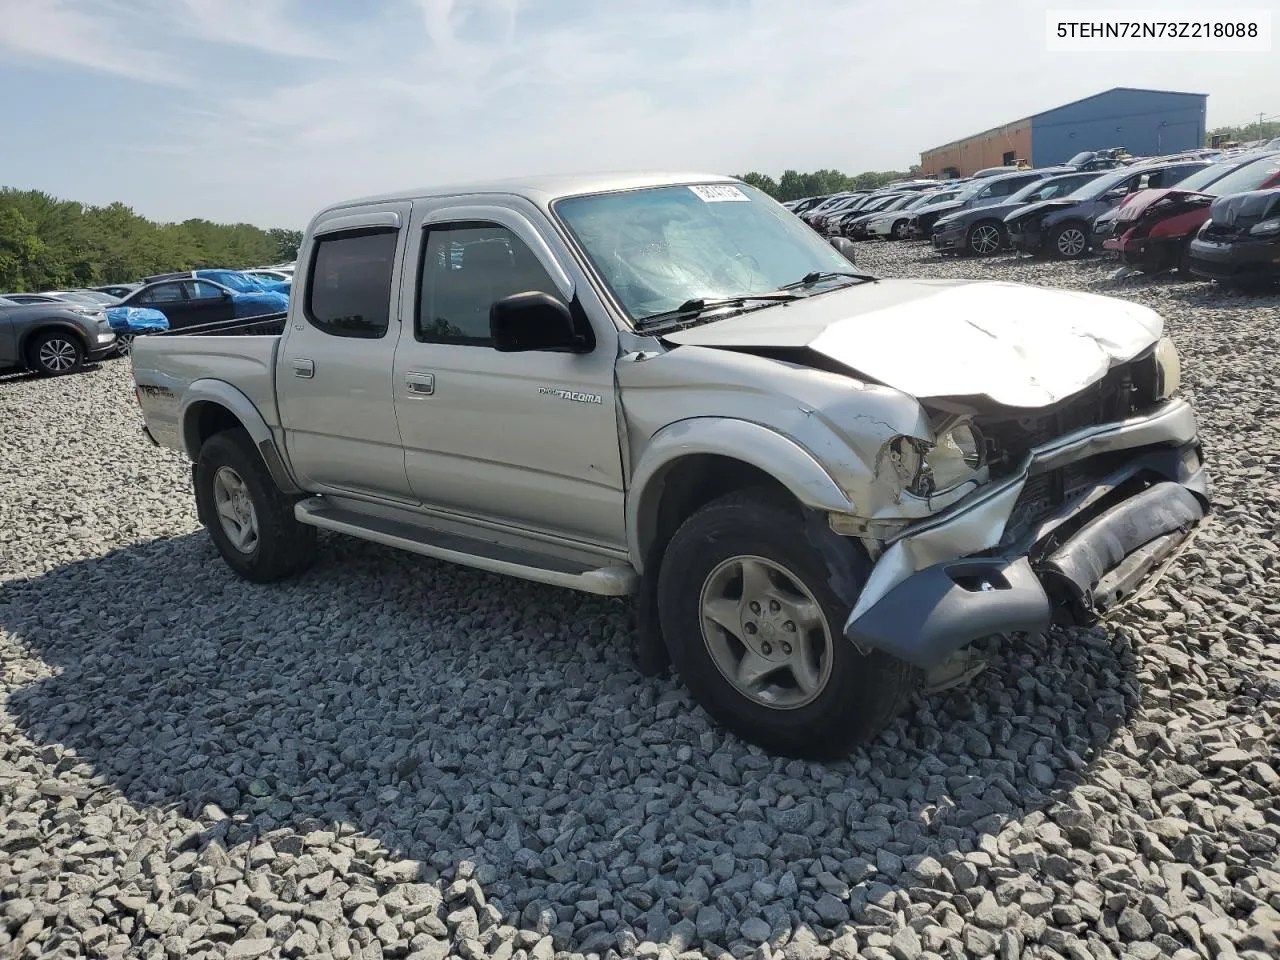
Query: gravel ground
[394, 757]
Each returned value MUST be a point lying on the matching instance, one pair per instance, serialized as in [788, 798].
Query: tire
[230, 476]
[1183, 266]
[1068, 241]
[55, 353]
[986, 238]
[846, 698]
[899, 231]
[124, 344]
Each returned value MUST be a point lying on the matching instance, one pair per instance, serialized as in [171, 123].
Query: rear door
[333, 372]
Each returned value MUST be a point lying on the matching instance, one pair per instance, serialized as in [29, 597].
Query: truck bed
[237, 354]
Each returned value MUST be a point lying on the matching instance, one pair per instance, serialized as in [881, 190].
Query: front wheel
[899, 230]
[1068, 242]
[249, 518]
[124, 344]
[754, 628]
[985, 239]
[56, 353]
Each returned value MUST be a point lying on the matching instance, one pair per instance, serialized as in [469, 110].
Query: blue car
[130, 322]
[243, 282]
[196, 302]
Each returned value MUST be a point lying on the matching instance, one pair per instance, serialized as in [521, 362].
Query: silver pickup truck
[821, 486]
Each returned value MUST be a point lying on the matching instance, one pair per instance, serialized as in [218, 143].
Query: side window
[349, 287]
[197, 290]
[465, 269]
[163, 293]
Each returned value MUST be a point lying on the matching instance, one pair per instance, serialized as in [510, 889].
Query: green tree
[48, 243]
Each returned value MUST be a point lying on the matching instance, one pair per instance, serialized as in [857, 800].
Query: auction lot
[394, 757]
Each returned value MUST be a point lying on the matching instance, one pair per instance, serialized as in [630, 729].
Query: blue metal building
[1145, 122]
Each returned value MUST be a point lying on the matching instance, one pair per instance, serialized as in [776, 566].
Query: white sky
[265, 110]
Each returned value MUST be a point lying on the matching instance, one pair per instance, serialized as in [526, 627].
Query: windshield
[1251, 176]
[659, 247]
[90, 296]
[1096, 188]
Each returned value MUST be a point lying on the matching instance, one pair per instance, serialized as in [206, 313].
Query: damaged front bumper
[961, 576]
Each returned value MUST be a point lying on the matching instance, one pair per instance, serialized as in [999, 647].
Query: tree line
[47, 243]
[793, 185]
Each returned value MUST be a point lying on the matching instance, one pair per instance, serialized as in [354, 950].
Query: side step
[611, 581]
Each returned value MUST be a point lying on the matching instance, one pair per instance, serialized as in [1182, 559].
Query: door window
[349, 287]
[465, 269]
[196, 290]
[163, 293]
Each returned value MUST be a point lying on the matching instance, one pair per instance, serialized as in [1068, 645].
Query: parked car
[118, 290]
[193, 302]
[126, 322]
[980, 230]
[52, 338]
[1062, 228]
[892, 224]
[920, 222]
[271, 276]
[842, 198]
[849, 225]
[1240, 244]
[986, 191]
[245, 281]
[818, 483]
[859, 228]
[1153, 230]
[820, 217]
[1107, 159]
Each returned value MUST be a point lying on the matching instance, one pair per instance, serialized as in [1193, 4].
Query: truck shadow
[454, 715]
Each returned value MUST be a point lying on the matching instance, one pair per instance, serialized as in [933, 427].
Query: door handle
[420, 384]
[304, 368]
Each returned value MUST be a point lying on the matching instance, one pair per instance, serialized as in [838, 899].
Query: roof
[545, 189]
[1070, 103]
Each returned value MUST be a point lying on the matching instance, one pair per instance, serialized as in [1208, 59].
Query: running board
[611, 581]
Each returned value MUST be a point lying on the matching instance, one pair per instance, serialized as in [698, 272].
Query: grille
[1048, 492]
[1125, 390]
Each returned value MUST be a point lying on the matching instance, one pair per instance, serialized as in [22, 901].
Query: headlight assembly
[957, 457]
[1168, 369]
[1267, 228]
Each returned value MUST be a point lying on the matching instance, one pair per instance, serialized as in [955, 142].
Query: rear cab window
[349, 284]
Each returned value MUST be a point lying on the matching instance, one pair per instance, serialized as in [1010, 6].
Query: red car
[1154, 228]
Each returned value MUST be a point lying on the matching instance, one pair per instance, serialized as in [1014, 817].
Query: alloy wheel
[236, 515]
[57, 355]
[765, 632]
[1071, 242]
[985, 239]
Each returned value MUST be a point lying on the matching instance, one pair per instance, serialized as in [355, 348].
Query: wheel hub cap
[57, 355]
[235, 510]
[765, 632]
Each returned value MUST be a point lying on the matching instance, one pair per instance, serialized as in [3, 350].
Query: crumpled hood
[1018, 345]
[1040, 207]
[1246, 209]
[1144, 200]
[942, 209]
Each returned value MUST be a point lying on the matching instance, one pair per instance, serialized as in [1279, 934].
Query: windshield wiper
[819, 275]
[699, 305]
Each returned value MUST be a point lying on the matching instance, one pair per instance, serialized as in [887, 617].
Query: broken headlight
[1168, 369]
[956, 457]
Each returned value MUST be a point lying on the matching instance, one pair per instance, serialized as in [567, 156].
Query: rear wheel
[1068, 242]
[249, 518]
[55, 353]
[754, 628]
[985, 238]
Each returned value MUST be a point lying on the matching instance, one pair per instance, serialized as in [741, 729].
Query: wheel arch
[28, 337]
[689, 463]
[210, 407]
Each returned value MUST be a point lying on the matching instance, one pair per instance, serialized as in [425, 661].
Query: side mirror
[845, 246]
[534, 321]
[1119, 193]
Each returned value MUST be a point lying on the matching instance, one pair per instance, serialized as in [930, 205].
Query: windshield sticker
[718, 193]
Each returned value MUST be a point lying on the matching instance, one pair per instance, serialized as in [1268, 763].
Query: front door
[170, 300]
[528, 440]
[207, 303]
[333, 372]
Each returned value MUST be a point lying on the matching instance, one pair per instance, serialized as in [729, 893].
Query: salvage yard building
[1145, 122]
